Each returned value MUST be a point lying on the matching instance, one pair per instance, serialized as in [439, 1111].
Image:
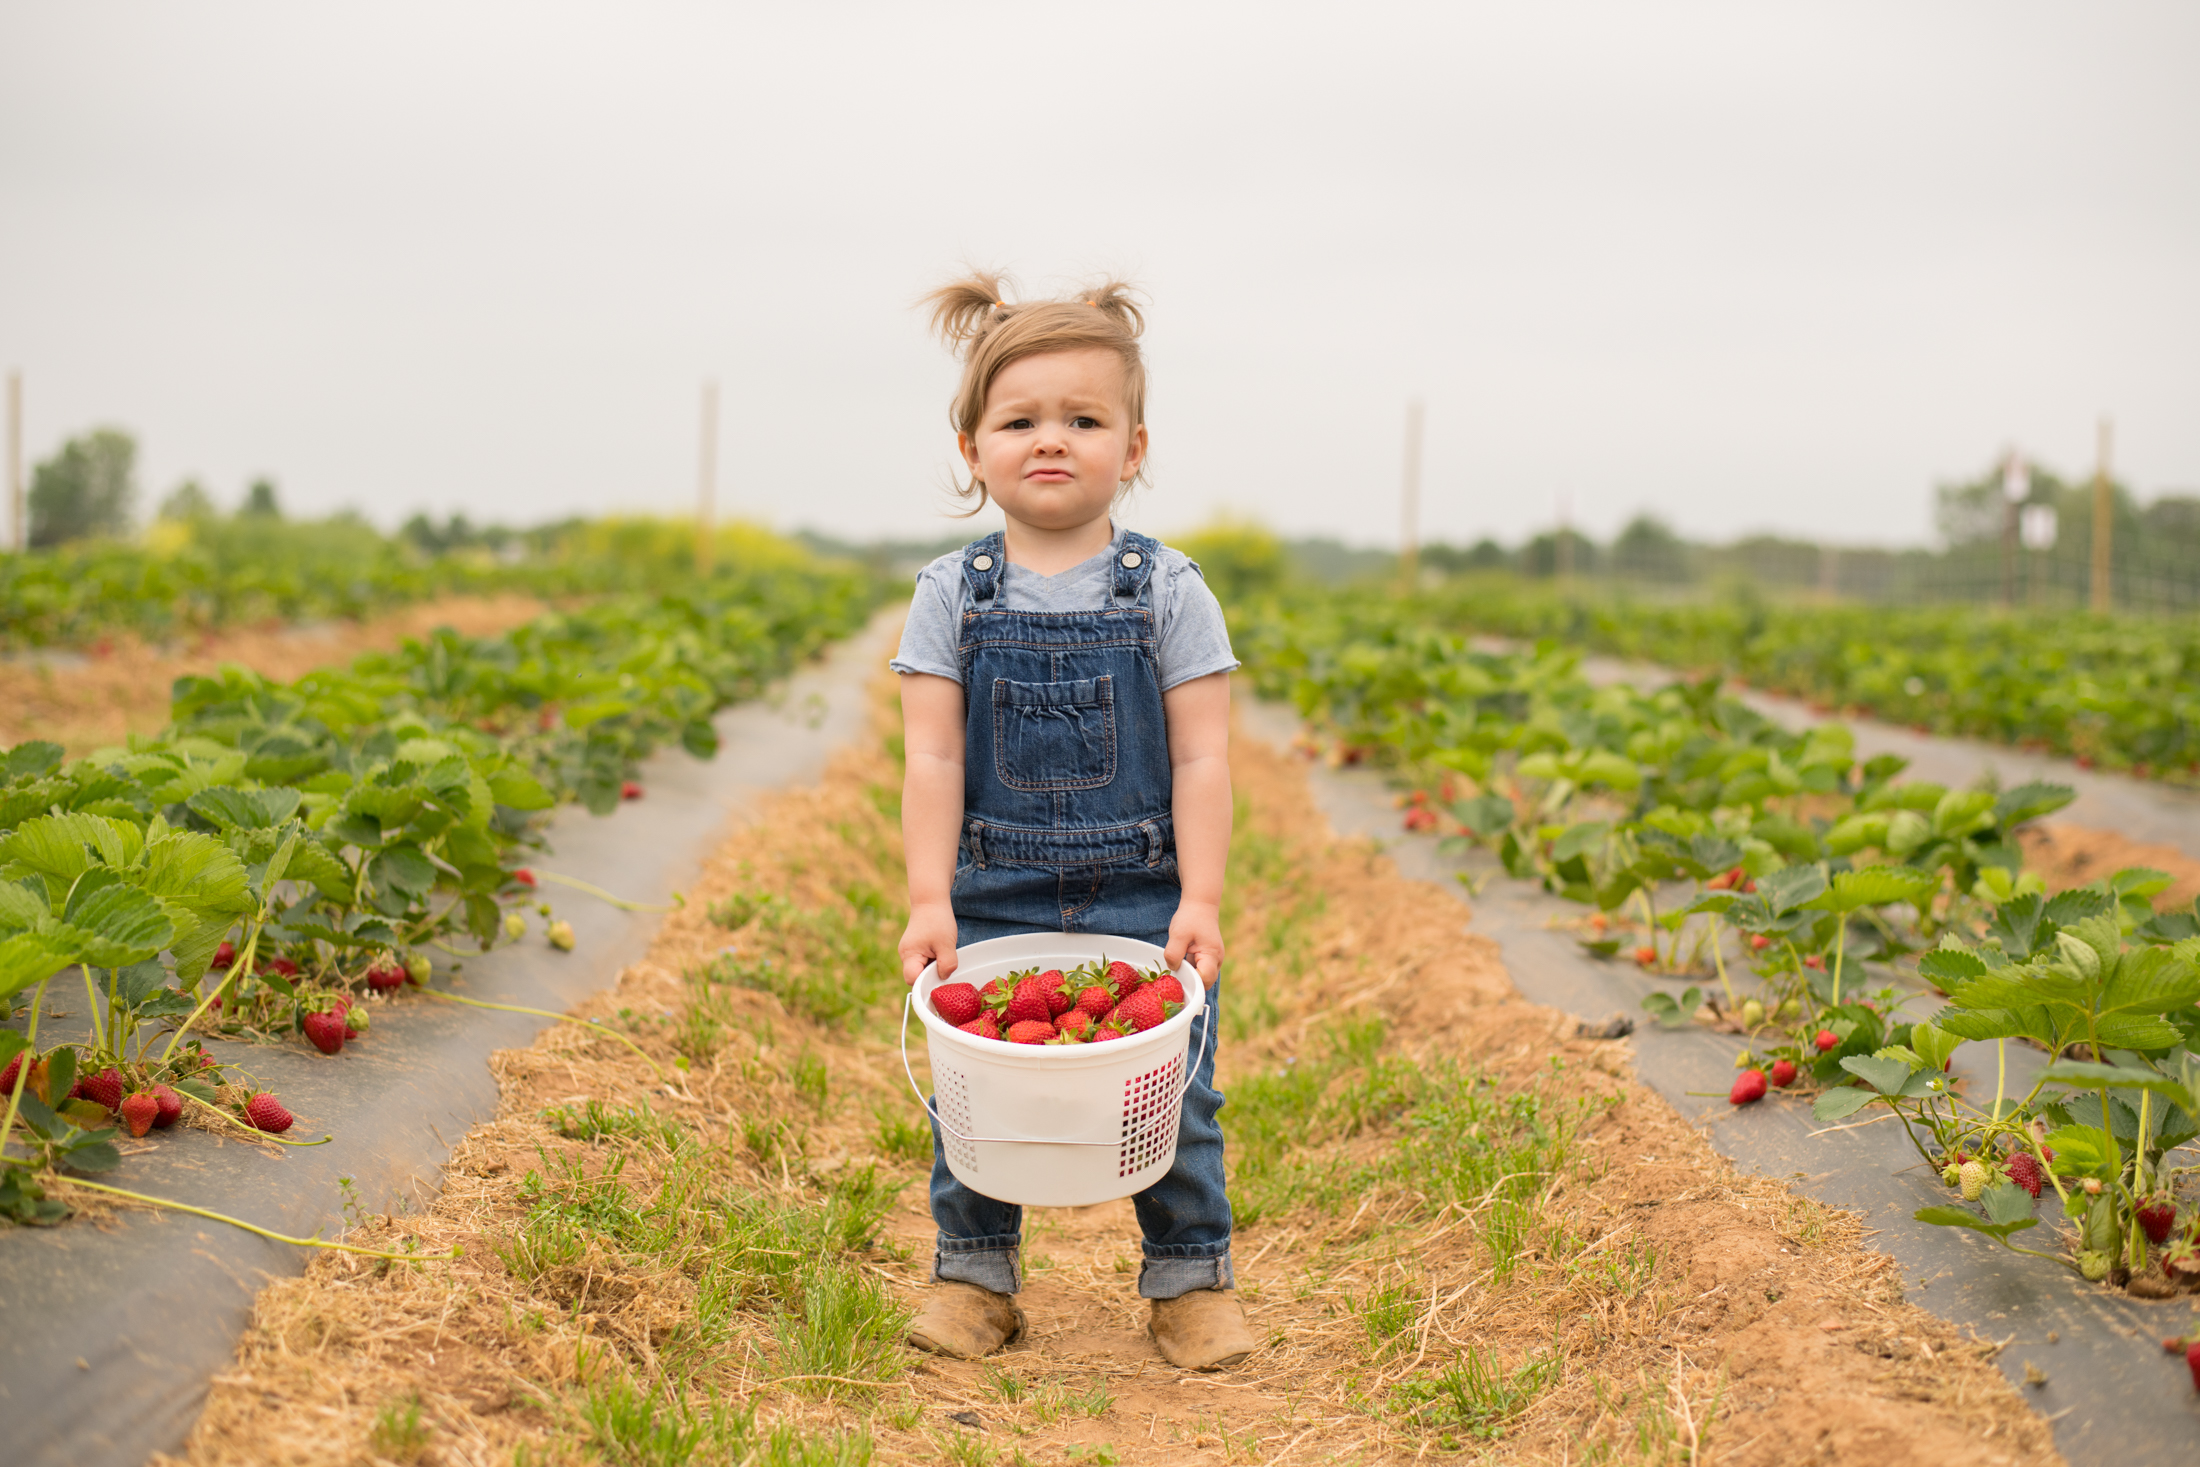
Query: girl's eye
[1083, 420]
[1017, 424]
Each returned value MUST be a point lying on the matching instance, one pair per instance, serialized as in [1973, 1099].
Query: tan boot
[1202, 1330]
[966, 1321]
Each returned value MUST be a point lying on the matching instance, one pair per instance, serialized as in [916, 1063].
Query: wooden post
[2104, 527]
[1409, 504]
[19, 537]
[706, 482]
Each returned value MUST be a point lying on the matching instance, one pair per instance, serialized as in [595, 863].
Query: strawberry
[1812, 960]
[1646, 956]
[1029, 1003]
[225, 958]
[418, 968]
[7, 1076]
[1749, 1086]
[1030, 1031]
[1758, 942]
[1143, 1010]
[995, 995]
[1169, 988]
[1720, 882]
[1105, 1030]
[1051, 979]
[104, 1088]
[2157, 1215]
[168, 1107]
[2025, 1172]
[1971, 1177]
[263, 1112]
[523, 876]
[982, 1027]
[1064, 1036]
[1827, 1040]
[2192, 1362]
[1125, 979]
[1095, 1002]
[139, 1111]
[1077, 1024]
[630, 790]
[1059, 1002]
[283, 966]
[560, 935]
[326, 1031]
[386, 974]
[355, 1020]
[956, 1002]
[1783, 1074]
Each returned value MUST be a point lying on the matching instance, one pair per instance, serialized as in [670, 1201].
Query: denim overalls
[1067, 828]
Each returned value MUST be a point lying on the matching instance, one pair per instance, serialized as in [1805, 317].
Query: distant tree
[1649, 550]
[1539, 557]
[1237, 560]
[260, 502]
[187, 501]
[88, 488]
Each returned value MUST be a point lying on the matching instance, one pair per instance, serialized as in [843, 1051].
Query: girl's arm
[1199, 764]
[931, 817]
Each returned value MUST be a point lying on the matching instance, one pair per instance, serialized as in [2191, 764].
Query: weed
[811, 1080]
[1101, 1454]
[901, 1138]
[631, 1425]
[1474, 1396]
[961, 1448]
[743, 907]
[398, 1432]
[596, 1121]
[1003, 1386]
[1057, 1399]
[787, 1446]
[848, 1326]
[1387, 1312]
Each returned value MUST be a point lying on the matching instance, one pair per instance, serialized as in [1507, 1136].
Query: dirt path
[1461, 1228]
[124, 690]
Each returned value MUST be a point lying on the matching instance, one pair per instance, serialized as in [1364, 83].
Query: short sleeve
[1195, 640]
[928, 638]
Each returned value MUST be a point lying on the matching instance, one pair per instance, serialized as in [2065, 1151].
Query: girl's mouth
[1050, 476]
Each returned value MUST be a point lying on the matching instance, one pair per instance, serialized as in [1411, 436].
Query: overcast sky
[1749, 266]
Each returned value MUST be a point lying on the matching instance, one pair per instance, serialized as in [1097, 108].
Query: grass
[398, 1432]
[1474, 1397]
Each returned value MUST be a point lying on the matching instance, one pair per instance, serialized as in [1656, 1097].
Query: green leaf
[1946, 967]
[1957, 1217]
[2151, 980]
[2085, 1075]
[2006, 1202]
[2029, 802]
[235, 809]
[123, 926]
[1790, 888]
[2083, 1150]
[1934, 1045]
[1887, 1076]
[1874, 886]
[30, 958]
[20, 907]
[1845, 1100]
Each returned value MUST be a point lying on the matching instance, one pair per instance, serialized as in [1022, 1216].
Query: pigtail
[1118, 301]
[964, 310]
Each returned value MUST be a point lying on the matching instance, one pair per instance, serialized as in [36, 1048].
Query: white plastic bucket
[1056, 1125]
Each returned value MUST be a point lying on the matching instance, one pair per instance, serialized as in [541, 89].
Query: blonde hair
[978, 322]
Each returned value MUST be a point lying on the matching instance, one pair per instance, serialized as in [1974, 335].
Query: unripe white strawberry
[1971, 1176]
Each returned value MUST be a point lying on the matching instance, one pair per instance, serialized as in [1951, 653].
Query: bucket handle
[908, 1011]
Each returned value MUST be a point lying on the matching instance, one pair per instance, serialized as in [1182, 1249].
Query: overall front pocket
[1054, 736]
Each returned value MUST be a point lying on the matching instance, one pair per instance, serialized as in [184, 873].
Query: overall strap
[983, 562]
[1133, 567]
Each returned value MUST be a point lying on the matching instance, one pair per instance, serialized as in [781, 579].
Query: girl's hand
[929, 938]
[1196, 932]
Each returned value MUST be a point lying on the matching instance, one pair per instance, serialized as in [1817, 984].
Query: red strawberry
[7, 1076]
[1029, 1002]
[1030, 1031]
[1748, 1086]
[1125, 979]
[104, 1088]
[1826, 1040]
[1758, 942]
[1783, 1074]
[523, 876]
[2025, 1172]
[1143, 1010]
[225, 958]
[630, 790]
[386, 975]
[139, 1112]
[1051, 979]
[1077, 1024]
[1103, 1031]
[1095, 1002]
[1647, 956]
[326, 1031]
[169, 1107]
[283, 966]
[2192, 1362]
[263, 1112]
[995, 995]
[983, 1027]
[1813, 960]
[956, 1002]
[1059, 1002]
[1169, 988]
[2157, 1215]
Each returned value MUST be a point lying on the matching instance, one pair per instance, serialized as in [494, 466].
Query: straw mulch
[122, 688]
[1698, 1315]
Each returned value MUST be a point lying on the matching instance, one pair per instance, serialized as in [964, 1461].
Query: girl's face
[1056, 441]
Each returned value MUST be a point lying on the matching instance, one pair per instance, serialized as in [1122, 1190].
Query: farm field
[1449, 1241]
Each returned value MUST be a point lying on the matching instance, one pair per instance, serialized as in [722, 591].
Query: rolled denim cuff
[990, 1263]
[1181, 1270]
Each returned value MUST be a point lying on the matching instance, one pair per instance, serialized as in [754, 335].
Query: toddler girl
[1066, 696]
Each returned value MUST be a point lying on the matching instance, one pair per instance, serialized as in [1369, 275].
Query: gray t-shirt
[1193, 641]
